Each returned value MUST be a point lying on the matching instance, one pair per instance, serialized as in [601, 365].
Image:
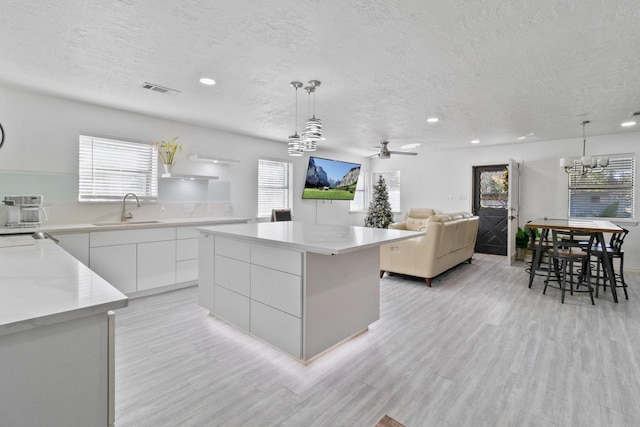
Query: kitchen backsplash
[176, 199]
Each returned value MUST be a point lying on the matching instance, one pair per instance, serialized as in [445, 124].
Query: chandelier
[312, 133]
[585, 164]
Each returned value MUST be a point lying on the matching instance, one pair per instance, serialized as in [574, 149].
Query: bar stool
[570, 259]
[614, 250]
[542, 268]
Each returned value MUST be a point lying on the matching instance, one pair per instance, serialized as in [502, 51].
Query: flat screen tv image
[330, 179]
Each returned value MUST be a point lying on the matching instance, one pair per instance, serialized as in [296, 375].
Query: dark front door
[490, 203]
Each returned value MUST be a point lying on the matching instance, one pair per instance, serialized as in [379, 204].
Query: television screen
[330, 179]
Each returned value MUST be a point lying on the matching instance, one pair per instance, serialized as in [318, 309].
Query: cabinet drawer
[187, 232]
[277, 289]
[232, 274]
[232, 307]
[276, 327]
[277, 258]
[232, 248]
[186, 249]
[121, 237]
[186, 271]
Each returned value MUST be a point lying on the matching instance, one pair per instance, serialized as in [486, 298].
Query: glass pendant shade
[313, 129]
[308, 144]
[294, 145]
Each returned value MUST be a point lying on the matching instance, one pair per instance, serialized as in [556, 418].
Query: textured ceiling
[490, 70]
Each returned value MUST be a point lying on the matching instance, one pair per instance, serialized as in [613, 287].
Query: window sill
[625, 221]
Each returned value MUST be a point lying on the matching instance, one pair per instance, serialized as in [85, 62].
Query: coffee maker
[25, 211]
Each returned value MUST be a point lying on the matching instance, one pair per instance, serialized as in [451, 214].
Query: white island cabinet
[302, 288]
[57, 337]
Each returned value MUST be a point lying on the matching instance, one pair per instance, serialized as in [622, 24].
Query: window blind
[108, 169]
[607, 194]
[274, 186]
[392, 180]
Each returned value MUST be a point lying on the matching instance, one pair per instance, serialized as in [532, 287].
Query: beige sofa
[448, 241]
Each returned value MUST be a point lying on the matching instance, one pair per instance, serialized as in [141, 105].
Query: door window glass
[494, 189]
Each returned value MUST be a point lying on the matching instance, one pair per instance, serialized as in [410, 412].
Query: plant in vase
[522, 242]
[167, 151]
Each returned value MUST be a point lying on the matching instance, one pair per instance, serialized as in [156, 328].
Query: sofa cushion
[416, 224]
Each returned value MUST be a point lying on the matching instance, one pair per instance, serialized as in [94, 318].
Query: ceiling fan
[385, 153]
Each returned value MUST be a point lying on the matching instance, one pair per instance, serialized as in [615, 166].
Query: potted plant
[167, 151]
[522, 241]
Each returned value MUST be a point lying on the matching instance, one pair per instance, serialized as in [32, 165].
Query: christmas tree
[379, 214]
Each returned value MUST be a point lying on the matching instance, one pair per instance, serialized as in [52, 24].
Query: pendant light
[294, 142]
[586, 164]
[313, 128]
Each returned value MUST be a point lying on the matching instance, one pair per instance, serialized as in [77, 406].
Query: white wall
[443, 179]
[42, 136]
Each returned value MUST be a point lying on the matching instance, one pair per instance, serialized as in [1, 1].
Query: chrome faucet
[128, 215]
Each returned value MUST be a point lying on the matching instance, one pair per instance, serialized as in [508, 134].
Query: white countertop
[323, 239]
[132, 224]
[41, 284]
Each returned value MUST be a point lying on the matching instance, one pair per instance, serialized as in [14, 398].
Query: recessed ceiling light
[627, 124]
[475, 141]
[207, 81]
[410, 146]
[433, 120]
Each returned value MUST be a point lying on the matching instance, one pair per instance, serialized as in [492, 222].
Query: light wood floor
[477, 349]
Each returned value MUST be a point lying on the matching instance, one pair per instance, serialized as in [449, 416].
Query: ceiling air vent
[157, 88]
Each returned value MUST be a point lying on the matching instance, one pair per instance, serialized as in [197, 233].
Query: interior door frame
[513, 210]
[475, 198]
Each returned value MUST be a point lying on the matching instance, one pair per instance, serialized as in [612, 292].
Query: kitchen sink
[151, 221]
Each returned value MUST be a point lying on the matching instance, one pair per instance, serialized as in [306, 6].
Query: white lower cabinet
[135, 260]
[257, 288]
[205, 272]
[77, 244]
[117, 265]
[277, 327]
[156, 264]
[232, 307]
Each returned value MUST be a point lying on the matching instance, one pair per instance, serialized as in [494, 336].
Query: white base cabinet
[77, 244]
[139, 260]
[117, 265]
[300, 302]
[156, 263]
[57, 375]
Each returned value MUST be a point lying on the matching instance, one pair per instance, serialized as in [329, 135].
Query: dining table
[595, 227]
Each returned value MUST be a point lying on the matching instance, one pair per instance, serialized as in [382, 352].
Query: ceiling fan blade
[404, 153]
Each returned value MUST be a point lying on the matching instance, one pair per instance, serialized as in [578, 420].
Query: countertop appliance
[25, 211]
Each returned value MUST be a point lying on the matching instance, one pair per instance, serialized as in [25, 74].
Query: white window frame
[392, 180]
[281, 181]
[110, 168]
[359, 202]
[620, 185]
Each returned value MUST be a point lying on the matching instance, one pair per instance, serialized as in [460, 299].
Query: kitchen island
[300, 287]
[56, 337]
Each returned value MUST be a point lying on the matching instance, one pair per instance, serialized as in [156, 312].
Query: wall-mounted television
[330, 179]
